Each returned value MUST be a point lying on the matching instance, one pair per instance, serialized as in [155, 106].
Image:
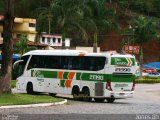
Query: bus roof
[67, 52]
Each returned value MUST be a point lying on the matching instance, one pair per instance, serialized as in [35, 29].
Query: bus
[102, 76]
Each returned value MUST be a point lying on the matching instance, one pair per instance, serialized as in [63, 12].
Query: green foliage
[13, 83]
[1, 6]
[21, 47]
[147, 7]
[148, 80]
[156, 6]
[144, 29]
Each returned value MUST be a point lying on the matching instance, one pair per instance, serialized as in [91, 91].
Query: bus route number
[96, 77]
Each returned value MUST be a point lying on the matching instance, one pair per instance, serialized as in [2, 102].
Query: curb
[34, 105]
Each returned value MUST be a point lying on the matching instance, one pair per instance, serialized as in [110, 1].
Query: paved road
[146, 102]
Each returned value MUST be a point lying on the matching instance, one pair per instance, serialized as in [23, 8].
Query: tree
[21, 46]
[67, 15]
[61, 15]
[44, 17]
[144, 30]
[100, 17]
[7, 48]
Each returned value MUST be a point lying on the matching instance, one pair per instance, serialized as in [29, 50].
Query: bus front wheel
[30, 88]
[110, 100]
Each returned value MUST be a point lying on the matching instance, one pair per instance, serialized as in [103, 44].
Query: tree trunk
[7, 49]
[141, 60]
[63, 38]
[95, 43]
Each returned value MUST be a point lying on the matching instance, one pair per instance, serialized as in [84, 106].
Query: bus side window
[101, 61]
[32, 63]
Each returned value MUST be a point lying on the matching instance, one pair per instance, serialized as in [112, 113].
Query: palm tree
[100, 18]
[68, 14]
[62, 15]
[44, 17]
[21, 47]
[144, 30]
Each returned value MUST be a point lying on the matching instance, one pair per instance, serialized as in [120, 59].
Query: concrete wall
[88, 49]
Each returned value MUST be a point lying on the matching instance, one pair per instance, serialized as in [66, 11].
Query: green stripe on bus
[62, 83]
[78, 75]
[49, 74]
[85, 76]
[105, 77]
[122, 78]
[65, 75]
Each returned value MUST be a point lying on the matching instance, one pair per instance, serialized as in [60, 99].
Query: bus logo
[122, 61]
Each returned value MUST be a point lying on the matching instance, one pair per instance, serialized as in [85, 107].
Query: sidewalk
[34, 105]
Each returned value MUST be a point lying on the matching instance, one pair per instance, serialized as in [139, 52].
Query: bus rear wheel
[110, 100]
[30, 88]
[86, 94]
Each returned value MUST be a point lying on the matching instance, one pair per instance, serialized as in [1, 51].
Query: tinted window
[23, 64]
[49, 62]
[19, 68]
[67, 62]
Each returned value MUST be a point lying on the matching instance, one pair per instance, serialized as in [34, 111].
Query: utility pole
[49, 24]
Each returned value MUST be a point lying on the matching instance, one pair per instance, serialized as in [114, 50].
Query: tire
[99, 99]
[110, 100]
[86, 94]
[30, 89]
[76, 93]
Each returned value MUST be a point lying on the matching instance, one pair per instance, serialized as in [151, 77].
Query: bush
[13, 83]
[148, 80]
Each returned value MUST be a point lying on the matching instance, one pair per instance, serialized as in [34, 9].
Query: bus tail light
[108, 85]
[133, 87]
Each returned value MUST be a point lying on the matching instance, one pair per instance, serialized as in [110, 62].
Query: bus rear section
[120, 82]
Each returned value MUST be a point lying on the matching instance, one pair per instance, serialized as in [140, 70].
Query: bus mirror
[15, 63]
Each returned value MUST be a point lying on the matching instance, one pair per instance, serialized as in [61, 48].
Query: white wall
[88, 49]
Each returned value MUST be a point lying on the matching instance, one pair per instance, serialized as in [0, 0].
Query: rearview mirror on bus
[17, 62]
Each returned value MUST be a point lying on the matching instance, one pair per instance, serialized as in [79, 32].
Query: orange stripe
[81, 54]
[68, 83]
[70, 78]
[129, 62]
[60, 75]
[71, 75]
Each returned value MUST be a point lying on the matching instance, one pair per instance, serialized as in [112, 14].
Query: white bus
[84, 75]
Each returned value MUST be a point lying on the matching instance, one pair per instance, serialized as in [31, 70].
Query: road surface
[144, 105]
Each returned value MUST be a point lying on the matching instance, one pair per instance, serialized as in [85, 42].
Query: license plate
[121, 94]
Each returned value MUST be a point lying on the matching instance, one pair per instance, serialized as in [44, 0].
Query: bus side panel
[70, 81]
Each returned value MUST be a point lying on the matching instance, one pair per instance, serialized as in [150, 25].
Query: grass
[23, 99]
[13, 83]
